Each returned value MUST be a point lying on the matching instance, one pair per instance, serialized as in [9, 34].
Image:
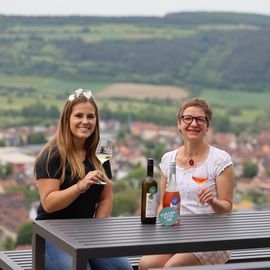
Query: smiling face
[82, 121]
[193, 131]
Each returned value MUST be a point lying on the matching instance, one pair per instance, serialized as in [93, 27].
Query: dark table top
[126, 236]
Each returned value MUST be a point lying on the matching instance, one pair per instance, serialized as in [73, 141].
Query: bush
[125, 203]
[24, 235]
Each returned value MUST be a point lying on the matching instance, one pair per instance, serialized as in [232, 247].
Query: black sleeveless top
[82, 207]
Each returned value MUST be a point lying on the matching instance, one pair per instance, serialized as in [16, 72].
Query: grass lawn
[239, 99]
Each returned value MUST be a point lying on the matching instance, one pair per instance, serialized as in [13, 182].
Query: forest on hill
[220, 50]
[215, 55]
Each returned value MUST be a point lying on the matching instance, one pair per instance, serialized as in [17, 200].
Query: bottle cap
[150, 161]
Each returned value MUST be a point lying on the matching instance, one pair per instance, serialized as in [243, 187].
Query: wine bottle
[149, 195]
[171, 196]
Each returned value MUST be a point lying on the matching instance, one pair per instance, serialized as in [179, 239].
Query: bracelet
[78, 185]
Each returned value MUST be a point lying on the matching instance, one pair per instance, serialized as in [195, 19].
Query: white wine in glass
[104, 150]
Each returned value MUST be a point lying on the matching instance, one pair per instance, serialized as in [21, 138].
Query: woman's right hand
[92, 178]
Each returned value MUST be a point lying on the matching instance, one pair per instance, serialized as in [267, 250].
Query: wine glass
[104, 150]
[200, 173]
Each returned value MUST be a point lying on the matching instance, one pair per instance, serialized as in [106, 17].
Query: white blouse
[216, 162]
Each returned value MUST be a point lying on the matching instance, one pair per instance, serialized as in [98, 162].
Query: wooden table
[126, 236]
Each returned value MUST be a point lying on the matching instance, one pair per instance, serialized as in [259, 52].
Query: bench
[22, 259]
[16, 260]
[261, 265]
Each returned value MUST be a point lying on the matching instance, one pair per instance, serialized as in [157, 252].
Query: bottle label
[151, 202]
[175, 203]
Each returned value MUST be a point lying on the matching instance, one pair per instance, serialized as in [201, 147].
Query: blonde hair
[63, 144]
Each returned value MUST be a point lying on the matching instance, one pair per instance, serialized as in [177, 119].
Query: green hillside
[221, 56]
[218, 50]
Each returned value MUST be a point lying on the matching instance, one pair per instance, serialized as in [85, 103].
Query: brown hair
[62, 142]
[196, 102]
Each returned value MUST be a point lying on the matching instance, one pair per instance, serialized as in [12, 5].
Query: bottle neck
[150, 170]
[172, 184]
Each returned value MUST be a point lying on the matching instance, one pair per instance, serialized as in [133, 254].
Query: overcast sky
[128, 7]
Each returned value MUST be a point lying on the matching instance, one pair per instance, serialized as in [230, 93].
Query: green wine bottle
[149, 202]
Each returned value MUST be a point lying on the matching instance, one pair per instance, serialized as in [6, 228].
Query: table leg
[38, 252]
[79, 263]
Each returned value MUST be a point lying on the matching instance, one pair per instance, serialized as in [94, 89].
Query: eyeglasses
[200, 120]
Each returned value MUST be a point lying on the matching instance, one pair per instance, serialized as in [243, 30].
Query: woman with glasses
[214, 196]
[71, 180]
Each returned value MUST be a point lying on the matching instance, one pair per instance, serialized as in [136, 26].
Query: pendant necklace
[191, 162]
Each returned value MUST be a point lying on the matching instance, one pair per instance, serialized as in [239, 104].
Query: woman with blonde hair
[71, 180]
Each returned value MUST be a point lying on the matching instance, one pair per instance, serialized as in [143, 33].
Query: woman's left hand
[205, 196]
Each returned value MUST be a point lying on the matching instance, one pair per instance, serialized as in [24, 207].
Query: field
[48, 90]
[126, 98]
[144, 91]
[49, 85]
[249, 104]
[237, 98]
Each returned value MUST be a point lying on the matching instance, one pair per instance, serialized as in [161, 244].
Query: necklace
[191, 162]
